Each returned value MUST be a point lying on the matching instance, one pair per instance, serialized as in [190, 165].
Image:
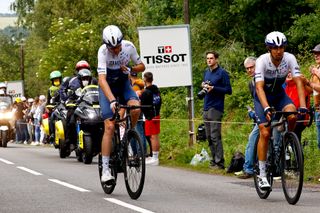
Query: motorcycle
[60, 114]
[89, 123]
[6, 120]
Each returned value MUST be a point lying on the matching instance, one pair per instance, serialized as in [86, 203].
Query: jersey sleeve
[134, 54]
[102, 60]
[259, 70]
[294, 66]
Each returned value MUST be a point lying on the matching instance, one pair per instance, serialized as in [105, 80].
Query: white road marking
[127, 205]
[5, 161]
[28, 170]
[69, 185]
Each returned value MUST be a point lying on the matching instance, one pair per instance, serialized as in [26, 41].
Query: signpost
[166, 52]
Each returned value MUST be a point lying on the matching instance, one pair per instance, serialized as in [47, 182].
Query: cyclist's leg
[292, 118]
[131, 98]
[106, 143]
[262, 143]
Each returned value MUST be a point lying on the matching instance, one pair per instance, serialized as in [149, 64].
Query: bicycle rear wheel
[263, 194]
[292, 163]
[134, 164]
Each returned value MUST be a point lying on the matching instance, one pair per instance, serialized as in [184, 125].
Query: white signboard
[166, 52]
[15, 88]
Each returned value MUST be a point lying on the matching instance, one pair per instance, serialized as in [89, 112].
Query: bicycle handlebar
[127, 107]
[286, 114]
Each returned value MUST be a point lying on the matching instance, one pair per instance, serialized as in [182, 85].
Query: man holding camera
[216, 84]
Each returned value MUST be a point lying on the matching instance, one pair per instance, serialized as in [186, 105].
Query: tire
[293, 171]
[79, 154]
[4, 138]
[108, 189]
[87, 153]
[263, 194]
[63, 149]
[134, 164]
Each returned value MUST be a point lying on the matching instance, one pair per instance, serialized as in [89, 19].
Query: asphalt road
[34, 179]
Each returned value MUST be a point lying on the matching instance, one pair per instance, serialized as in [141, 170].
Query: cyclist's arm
[261, 94]
[102, 72]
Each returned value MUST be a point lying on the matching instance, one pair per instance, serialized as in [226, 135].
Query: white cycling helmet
[276, 39]
[112, 36]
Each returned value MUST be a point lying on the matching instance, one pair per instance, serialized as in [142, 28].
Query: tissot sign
[166, 52]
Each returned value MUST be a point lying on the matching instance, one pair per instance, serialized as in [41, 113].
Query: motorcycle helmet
[55, 77]
[23, 99]
[276, 39]
[112, 36]
[82, 65]
[85, 77]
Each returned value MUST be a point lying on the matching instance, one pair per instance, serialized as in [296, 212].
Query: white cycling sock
[155, 155]
[262, 168]
[105, 162]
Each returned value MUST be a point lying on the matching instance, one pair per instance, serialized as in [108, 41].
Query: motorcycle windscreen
[90, 94]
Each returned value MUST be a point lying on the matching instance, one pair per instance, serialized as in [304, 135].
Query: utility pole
[22, 62]
[190, 88]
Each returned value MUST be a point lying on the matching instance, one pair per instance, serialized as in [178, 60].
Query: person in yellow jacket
[53, 99]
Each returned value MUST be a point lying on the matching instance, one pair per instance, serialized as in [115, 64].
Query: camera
[204, 91]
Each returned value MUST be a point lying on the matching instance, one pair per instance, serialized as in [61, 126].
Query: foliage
[62, 32]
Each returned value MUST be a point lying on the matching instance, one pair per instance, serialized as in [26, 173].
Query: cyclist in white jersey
[271, 71]
[114, 56]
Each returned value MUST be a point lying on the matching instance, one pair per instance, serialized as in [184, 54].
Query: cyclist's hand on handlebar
[303, 110]
[113, 105]
[268, 112]
[125, 69]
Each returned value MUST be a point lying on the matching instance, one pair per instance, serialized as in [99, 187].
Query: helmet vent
[113, 40]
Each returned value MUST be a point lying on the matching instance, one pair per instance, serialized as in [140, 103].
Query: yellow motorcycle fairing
[45, 124]
[59, 131]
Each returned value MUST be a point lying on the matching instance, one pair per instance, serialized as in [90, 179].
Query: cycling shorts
[277, 101]
[122, 92]
[152, 127]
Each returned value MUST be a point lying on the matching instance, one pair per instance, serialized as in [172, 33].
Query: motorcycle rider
[53, 98]
[83, 79]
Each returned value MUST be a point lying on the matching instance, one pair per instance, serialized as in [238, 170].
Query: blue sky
[5, 6]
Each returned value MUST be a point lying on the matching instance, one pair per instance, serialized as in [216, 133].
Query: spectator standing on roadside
[247, 172]
[315, 84]
[216, 83]
[37, 117]
[151, 96]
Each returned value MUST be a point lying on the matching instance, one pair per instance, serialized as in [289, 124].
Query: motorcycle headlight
[91, 115]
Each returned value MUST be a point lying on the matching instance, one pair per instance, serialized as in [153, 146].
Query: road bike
[127, 155]
[284, 158]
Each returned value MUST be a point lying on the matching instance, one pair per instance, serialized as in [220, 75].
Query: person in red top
[292, 92]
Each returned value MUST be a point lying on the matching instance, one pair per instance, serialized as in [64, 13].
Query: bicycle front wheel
[134, 164]
[292, 164]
